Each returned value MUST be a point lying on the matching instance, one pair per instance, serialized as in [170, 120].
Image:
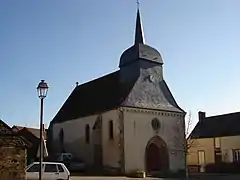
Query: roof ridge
[226, 114]
[96, 79]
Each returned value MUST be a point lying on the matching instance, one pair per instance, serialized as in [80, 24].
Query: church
[127, 120]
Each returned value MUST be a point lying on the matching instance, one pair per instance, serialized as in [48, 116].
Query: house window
[111, 129]
[201, 157]
[217, 142]
[87, 134]
[236, 155]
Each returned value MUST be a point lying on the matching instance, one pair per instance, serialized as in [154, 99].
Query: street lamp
[42, 90]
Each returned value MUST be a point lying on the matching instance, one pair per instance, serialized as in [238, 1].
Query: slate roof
[217, 126]
[96, 96]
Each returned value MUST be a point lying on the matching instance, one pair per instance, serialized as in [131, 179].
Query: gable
[5, 129]
[9, 138]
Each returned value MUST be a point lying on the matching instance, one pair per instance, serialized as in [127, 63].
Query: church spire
[139, 51]
[139, 38]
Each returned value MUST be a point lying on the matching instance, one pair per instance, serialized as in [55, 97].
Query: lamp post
[42, 90]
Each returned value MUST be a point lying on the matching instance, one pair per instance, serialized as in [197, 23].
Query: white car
[50, 171]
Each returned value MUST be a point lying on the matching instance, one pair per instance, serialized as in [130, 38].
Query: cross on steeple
[139, 38]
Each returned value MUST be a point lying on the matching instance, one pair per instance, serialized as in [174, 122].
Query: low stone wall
[12, 163]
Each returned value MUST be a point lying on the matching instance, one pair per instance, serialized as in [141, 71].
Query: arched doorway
[156, 156]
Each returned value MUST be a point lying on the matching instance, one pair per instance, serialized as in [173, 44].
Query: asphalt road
[205, 177]
[108, 178]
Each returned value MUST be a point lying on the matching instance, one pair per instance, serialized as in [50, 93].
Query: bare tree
[178, 137]
[188, 141]
[188, 125]
[183, 144]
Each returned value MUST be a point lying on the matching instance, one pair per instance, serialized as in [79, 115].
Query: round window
[156, 124]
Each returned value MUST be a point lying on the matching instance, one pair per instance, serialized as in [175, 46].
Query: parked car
[50, 171]
[63, 157]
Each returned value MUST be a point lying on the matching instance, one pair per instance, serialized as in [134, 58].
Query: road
[109, 178]
[205, 177]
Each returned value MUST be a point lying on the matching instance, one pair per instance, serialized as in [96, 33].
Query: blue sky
[79, 40]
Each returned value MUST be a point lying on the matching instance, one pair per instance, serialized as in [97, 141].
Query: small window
[60, 168]
[111, 129]
[201, 157]
[236, 155]
[87, 134]
[217, 142]
[51, 168]
[34, 168]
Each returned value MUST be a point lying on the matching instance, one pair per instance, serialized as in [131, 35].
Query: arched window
[87, 134]
[111, 129]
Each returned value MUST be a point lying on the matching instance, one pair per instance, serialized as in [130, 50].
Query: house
[33, 136]
[215, 139]
[12, 154]
[127, 120]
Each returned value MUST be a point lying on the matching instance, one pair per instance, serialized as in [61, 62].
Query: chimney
[201, 116]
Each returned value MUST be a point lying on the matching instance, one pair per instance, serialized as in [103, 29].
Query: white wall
[137, 138]
[74, 138]
[111, 153]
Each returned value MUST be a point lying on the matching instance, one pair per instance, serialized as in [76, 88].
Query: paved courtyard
[205, 177]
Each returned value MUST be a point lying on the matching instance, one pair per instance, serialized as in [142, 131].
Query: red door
[153, 159]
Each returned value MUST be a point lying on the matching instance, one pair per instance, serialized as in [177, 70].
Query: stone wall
[12, 161]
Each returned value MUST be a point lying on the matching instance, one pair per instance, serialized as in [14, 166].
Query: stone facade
[12, 155]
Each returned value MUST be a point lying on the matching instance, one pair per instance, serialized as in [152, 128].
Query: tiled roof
[34, 131]
[217, 126]
[96, 96]
[17, 128]
[6, 132]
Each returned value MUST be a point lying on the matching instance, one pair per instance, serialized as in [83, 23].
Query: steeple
[139, 38]
[139, 51]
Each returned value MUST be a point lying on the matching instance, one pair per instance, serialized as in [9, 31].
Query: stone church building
[128, 119]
